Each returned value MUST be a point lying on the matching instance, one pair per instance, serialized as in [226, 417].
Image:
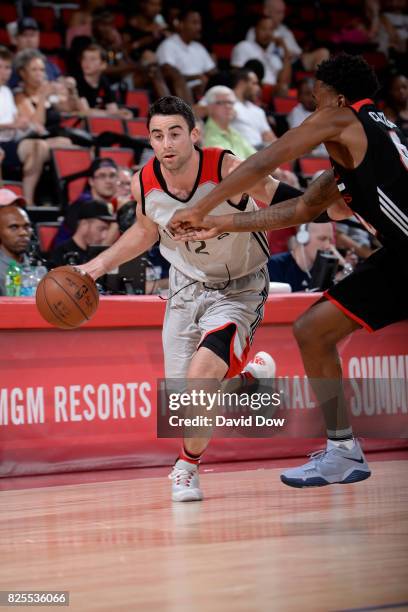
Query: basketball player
[370, 163]
[217, 287]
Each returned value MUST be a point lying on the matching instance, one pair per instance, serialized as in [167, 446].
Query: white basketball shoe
[262, 366]
[186, 482]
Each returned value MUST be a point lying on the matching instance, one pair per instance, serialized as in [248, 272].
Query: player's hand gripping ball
[67, 297]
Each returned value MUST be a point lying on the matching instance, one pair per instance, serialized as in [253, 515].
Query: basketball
[67, 297]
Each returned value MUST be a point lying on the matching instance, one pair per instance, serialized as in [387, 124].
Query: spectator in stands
[15, 237]
[102, 186]
[250, 119]
[40, 101]
[218, 132]
[146, 28]
[303, 110]
[396, 102]
[303, 60]
[80, 23]
[18, 151]
[269, 50]
[144, 73]
[182, 53]
[10, 197]
[295, 266]
[93, 222]
[94, 86]
[28, 37]
[124, 185]
[393, 34]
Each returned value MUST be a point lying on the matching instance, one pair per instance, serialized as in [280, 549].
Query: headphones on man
[303, 235]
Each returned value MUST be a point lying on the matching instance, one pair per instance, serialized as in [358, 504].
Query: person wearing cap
[27, 36]
[94, 221]
[8, 197]
[15, 238]
[102, 185]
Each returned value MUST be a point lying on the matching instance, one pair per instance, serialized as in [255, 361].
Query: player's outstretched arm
[319, 196]
[321, 126]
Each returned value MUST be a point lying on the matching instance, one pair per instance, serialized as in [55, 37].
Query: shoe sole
[188, 496]
[355, 476]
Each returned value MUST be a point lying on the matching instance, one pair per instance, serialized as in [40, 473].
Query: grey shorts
[198, 311]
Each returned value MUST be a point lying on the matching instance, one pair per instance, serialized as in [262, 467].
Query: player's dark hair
[349, 75]
[172, 105]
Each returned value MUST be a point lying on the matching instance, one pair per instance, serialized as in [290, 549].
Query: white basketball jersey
[230, 255]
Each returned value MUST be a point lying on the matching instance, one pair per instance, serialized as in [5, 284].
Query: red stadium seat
[310, 165]
[137, 128]
[74, 121]
[4, 38]
[284, 105]
[222, 10]
[223, 51]
[71, 161]
[46, 233]
[138, 98]
[50, 41]
[123, 157]
[97, 125]
[8, 12]
[45, 16]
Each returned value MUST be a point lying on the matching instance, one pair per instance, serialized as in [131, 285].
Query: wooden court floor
[252, 545]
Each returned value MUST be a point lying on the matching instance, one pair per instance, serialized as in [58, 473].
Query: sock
[189, 457]
[348, 443]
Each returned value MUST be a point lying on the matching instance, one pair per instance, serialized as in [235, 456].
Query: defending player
[217, 287]
[370, 163]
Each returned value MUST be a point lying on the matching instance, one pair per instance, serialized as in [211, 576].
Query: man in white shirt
[308, 61]
[303, 110]
[270, 51]
[182, 52]
[250, 119]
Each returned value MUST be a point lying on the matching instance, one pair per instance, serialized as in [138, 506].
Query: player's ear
[195, 135]
[341, 101]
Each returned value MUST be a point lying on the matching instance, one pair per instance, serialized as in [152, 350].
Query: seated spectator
[295, 266]
[124, 186]
[28, 37]
[396, 102]
[94, 86]
[393, 34]
[218, 131]
[102, 186]
[250, 119]
[303, 110]
[182, 53]
[269, 50]
[302, 60]
[15, 237]
[93, 222]
[146, 28]
[18, 151]
[80, 23]
[120, 66]
[41, 102]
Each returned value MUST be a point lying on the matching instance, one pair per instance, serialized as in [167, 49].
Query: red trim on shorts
[236, 365]
[357, 105]
[348, 313]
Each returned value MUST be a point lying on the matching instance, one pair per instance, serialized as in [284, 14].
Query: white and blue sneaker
[186, 482]
[336, 464]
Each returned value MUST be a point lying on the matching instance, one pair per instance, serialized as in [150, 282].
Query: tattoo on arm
[323, 190]
[274, 217]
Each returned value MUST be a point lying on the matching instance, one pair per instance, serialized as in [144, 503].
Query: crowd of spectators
[81, 78]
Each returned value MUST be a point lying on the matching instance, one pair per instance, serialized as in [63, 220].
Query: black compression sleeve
[285, 192]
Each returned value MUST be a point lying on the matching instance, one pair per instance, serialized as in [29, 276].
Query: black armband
[323, 218]
[285, 192]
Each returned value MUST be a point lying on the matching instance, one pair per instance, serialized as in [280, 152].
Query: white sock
[349, 444]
